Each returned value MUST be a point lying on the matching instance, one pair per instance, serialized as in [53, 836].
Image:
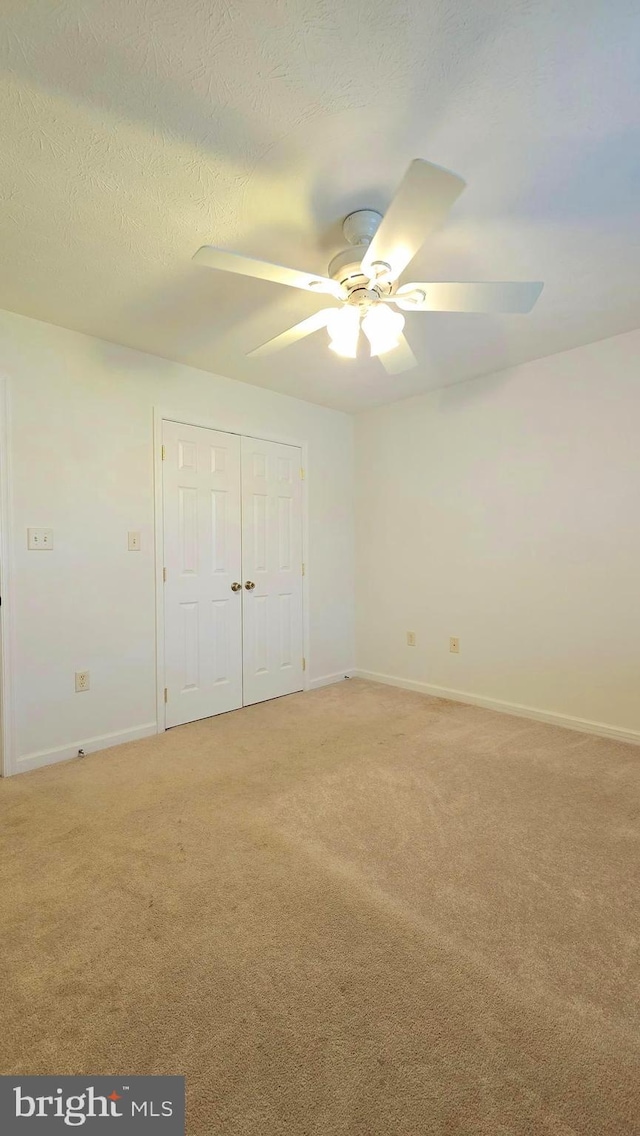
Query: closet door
[271, 569]
[202, 558]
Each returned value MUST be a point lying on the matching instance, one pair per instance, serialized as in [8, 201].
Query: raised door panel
[223, 627]
[188, 529]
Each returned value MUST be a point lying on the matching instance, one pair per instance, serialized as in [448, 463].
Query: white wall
[81, 452]
[506, 511]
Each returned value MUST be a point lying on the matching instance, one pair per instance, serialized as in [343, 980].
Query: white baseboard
[326, 680]
[89, 745]
[601, 729]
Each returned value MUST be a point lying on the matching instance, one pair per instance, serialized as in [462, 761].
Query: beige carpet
[358, 910]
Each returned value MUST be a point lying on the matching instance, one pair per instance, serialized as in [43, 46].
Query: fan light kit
[363, 278]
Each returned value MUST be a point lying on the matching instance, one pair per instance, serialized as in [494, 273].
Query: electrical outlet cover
[39, 540]
[82, 681]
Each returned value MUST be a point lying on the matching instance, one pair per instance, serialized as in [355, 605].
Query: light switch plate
[39, 539]
[134, 542]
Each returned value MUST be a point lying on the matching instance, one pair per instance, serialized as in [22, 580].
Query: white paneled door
[272, 569]
[232, 521]
[203, 569]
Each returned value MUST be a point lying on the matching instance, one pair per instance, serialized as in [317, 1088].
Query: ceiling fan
[363, 278]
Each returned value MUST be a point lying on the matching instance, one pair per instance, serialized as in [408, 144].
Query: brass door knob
[249, 585]
[236, 587]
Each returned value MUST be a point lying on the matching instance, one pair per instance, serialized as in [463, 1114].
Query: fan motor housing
[346, 267]
[347, 270]
[359, 229]
[363, 297]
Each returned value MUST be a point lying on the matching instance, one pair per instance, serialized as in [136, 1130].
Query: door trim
[159, 416]
[7, 706]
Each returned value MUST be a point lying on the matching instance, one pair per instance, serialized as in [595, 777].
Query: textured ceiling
[136, 130]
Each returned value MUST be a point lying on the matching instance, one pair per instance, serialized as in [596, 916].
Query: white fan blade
[401, 358]
[423, 198]
[485, 297]
[293, 334]
[246, 266]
